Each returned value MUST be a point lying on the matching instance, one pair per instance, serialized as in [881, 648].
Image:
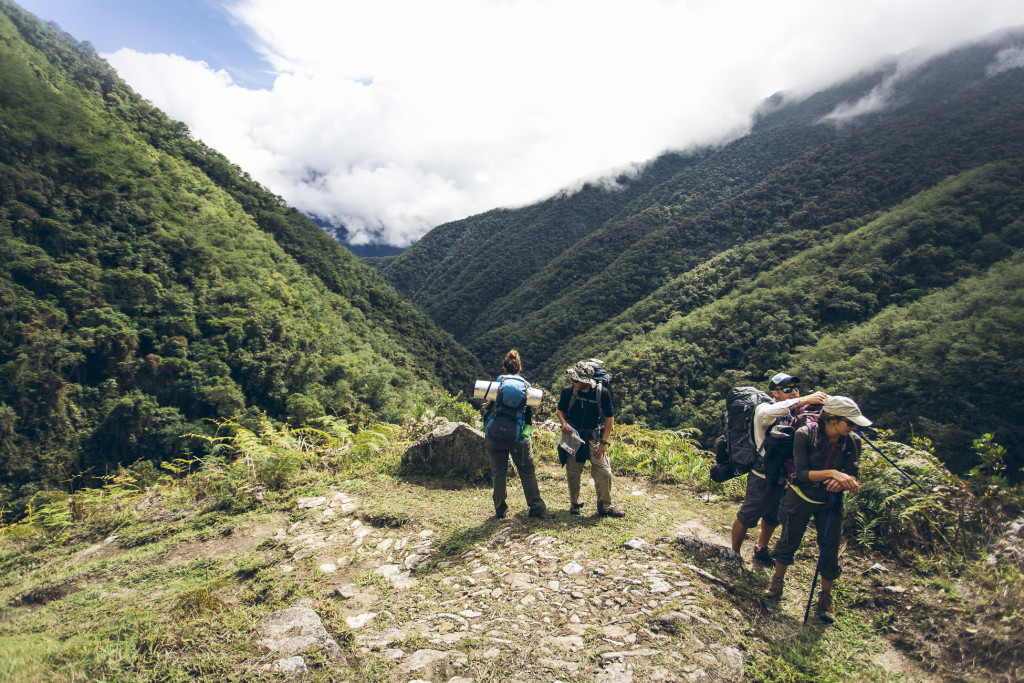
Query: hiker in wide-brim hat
[582, 374]
[585, 407]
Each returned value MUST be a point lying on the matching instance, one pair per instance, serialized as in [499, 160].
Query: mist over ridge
[607, 273]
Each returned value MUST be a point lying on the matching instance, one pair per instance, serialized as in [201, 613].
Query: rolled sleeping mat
[488, 390]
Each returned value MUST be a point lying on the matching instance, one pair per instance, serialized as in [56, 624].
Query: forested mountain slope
[858, 174]
[146, 284]
[793, 170]
[459, 271]
[917, 314]
[797, 182]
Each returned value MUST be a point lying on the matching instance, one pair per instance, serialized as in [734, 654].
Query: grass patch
[385, 513]
[203, 598]
[822, 654]
[376, 580]
[139, 535]
[23, 657]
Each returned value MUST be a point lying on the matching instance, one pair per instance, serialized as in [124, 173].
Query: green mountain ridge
[828, 184]
[148, 285]
[735, 213]
[459, 258]
[943, 247]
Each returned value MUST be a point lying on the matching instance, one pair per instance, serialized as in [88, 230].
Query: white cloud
[1010, 58]
[394, 116]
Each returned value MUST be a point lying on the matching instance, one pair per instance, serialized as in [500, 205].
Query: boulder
[617, 672]
[289, 665]
[708, 551]
[430, 665]
[731, 658]
[454, 448]
[288, 632]
[359, 621]
[638, 544]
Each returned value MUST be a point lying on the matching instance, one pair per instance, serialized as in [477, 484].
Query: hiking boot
[610, 511]
[774, 590]
[547, 514]
[826, 612]
[763, 555]
[575, 508]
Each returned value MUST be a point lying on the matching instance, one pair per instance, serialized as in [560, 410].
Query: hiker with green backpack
[508, 424]
[585, 411]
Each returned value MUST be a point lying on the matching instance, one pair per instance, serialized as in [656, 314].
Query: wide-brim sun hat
[581, 372]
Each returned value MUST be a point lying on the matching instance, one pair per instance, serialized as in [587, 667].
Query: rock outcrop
[453, 449]
[288, 632]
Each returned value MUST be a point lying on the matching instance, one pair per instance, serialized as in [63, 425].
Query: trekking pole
[868, 441]
[833, 500]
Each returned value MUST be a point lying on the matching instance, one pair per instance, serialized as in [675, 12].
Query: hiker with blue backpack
[585, 411]
[765, 481]
[508, 424]
[826, 460]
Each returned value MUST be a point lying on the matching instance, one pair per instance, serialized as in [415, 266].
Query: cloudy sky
[393, 116]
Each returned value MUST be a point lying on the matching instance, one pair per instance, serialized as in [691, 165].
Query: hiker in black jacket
[581, 408]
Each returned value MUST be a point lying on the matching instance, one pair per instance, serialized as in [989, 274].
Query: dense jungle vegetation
[877, 256]
[147, 285]
[184, 359]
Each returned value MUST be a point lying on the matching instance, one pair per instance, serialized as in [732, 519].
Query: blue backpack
[504, 422]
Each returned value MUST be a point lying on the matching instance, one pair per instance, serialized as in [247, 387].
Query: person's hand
[840, 481]
[566, 428]
[600, 450]
[817, 398]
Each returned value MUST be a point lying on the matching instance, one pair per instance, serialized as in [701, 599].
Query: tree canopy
[147, 285]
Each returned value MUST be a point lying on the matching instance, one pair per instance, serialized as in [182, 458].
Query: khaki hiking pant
[600, 470]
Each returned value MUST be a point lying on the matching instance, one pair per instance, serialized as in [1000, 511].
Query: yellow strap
[801, 494]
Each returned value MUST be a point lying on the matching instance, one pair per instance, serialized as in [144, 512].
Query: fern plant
[662, 455]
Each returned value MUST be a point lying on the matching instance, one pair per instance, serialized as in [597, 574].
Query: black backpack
[735, 452]
[600, 374]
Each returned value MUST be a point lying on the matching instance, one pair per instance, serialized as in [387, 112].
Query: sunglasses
[851, 423]
[788, 390]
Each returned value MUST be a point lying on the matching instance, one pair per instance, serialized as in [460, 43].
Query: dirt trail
[574, 598]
